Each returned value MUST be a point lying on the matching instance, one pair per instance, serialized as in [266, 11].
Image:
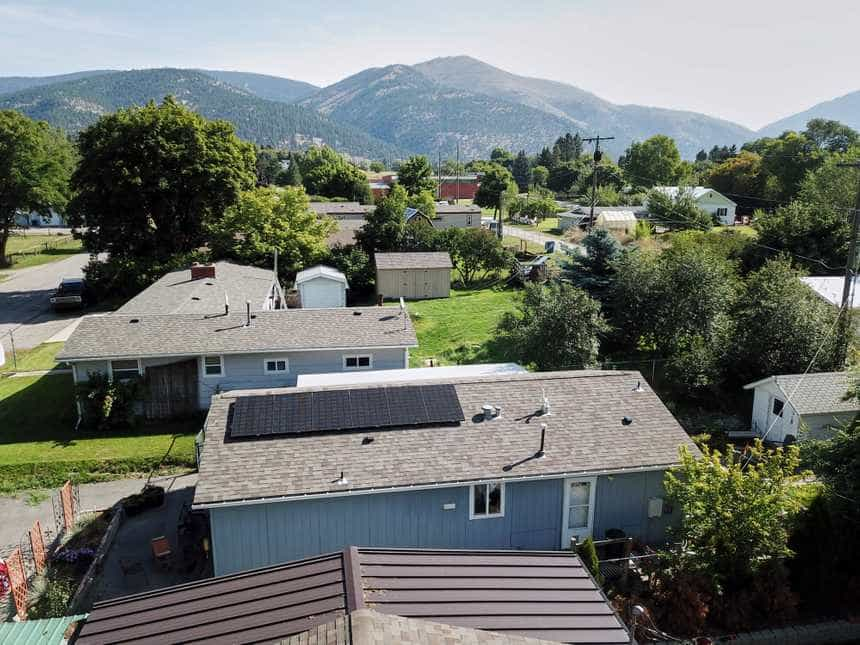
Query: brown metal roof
[537, 594]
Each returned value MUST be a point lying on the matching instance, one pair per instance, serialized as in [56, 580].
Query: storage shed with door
[321, 287]
[414, 276]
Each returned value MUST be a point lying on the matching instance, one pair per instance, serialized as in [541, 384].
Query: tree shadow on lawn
[43, 409]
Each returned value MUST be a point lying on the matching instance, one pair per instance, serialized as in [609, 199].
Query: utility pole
[850, 274]
[439, 177]
[595, 159]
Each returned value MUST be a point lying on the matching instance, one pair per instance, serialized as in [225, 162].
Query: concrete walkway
[18, 516]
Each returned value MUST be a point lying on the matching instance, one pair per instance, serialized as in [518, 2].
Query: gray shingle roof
[455, 208]
[413, 260]
[585, 435]
[115, 336]
[177, 293]
[817, 393]
[339, 208]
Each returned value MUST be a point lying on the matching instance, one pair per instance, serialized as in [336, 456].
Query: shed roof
[617, 216]
[413, 260]
[585, 435]
[539, 594]
[177, 293]
[124, 336]
[320, 271]
[820, 393]
[447, 209]
[44, 631]
[829, 288]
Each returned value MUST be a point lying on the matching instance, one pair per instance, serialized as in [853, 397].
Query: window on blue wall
[487, 500]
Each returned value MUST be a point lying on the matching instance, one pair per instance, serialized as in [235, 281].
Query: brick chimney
[199, 271]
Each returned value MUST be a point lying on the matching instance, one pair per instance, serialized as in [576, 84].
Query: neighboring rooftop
[618, 216]
[360, 595]
[413, 260]
[586, 434]
[124, 336]
[407, 375]
[822, 393]
[201, 289]
[455, 208]
[696, 191]
[351, 210]
[829, 288]
[318, 271]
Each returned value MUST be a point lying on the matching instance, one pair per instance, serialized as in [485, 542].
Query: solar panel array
[329, 410]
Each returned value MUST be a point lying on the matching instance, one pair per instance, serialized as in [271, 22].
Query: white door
[578, 518]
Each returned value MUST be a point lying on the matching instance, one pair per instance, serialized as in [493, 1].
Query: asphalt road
[25, 309]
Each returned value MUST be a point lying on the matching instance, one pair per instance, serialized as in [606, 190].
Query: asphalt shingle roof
[818, 393]
[177, 293]
[455, 208]
[117, 336]
[413, 260]
[339, 208]
[585, 435]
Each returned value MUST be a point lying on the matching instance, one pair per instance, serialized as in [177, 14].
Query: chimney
[199, 271]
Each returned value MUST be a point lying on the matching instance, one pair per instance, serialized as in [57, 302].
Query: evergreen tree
[545, 159]
[521, 171]
[292, 176]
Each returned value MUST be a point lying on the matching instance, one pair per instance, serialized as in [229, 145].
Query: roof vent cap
[356, 313]
[626, 420]
[133, 321]
[490, 411]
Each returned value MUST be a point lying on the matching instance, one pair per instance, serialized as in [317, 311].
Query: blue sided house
[510, 461]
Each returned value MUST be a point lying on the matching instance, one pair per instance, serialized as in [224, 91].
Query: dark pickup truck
[73, 293]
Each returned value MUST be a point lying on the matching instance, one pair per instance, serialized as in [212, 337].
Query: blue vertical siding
[253, 536]
[246, 537]
[621, 502]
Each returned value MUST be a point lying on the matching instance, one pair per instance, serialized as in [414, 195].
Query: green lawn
[509, 241]
[548, 226]
[42, 357]
[460, 328]
[39, 447]
[33, 250]
[746, 231]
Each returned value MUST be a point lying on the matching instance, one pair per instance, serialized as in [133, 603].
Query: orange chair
[161, 551]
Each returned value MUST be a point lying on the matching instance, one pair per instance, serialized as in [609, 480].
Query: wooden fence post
[68, 503]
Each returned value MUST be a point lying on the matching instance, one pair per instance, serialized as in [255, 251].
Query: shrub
[108, 404]
[54, 600]
[588, 554]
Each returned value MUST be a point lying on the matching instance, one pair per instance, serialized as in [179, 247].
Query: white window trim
[266, 369]
[221, 374]
[358, 357]
[486, 516]
[110, 366]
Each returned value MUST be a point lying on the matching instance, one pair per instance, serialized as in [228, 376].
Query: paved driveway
[25, 310]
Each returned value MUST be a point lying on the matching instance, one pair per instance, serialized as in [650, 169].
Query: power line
[596, 157]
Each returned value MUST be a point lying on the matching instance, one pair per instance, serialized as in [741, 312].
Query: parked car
[73, 293]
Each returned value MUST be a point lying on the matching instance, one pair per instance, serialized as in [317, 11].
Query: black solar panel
[325, 411]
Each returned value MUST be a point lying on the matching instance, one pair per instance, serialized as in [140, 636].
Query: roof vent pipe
[540, 454]
[490, 411]
[247, 313]
[545, 407]
[638, 387]
[226, 304]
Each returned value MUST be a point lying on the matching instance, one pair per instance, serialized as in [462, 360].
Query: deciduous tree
[416, 175]
[475, 252]
[384, 227]
[35, 165]
[327, 173]
[151, 178]
[555, 327]
[653, 162]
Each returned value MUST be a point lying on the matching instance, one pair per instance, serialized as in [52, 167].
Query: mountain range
[393, 111]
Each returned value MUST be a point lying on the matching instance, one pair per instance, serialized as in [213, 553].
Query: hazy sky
[750, 61]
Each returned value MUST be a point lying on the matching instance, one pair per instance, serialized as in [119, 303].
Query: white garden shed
[321, 287]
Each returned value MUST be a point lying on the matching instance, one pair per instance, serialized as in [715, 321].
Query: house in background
[37, 221]
[708, 199]
[341, 210]
[450, 216]
[414, 275]
[364, 596]
[321, 287]
[510, 461]
[792, 407]
[215, 328]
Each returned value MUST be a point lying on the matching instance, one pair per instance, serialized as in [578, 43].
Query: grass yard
[460, 329]
[509, 241]
[42, 357]
[39, 447]
[547, 226]
[34, 250]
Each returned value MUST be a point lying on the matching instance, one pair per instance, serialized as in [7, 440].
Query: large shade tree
[35, 165]
[151, 178]
[327, 173]
[266, 220]
[653, 162]
[416, 175]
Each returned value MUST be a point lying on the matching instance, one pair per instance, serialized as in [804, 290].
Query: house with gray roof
[792, 407]
[512, 461]
[190, 337]
[450, 215]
